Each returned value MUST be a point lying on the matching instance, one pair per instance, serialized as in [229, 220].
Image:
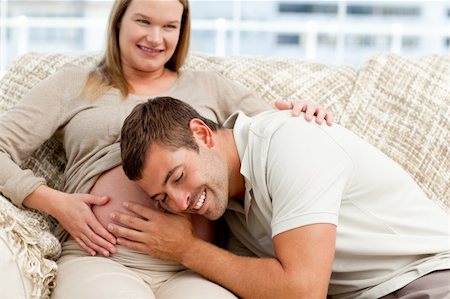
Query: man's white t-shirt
[297, 173]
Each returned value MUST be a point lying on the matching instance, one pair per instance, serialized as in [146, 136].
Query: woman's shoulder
[206, 76]
[70, 73]
[199, 73]
[65, 82]
[73, 70]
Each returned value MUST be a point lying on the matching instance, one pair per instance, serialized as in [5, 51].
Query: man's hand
[162, 235]
[300, 269]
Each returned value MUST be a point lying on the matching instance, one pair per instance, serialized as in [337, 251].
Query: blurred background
[338, 32]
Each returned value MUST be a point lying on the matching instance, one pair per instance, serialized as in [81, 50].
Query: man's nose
[182, 199]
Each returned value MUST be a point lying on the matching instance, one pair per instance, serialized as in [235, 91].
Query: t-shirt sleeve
[23, 128]
[307, 173]
[235, 96]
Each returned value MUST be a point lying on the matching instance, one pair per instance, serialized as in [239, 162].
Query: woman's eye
[171, 26]
[143, 21]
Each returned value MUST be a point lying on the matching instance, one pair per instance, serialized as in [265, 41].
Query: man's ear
[201, 132]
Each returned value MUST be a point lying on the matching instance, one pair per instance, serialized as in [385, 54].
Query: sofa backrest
[399, 105]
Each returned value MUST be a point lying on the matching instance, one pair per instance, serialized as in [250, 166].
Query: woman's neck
[154, 83]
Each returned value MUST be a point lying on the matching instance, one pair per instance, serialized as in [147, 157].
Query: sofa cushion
[401, 105]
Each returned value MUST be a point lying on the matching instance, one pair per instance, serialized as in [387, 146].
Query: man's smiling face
[184, 181]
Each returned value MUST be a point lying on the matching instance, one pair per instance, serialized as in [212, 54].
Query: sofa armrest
[28, 252]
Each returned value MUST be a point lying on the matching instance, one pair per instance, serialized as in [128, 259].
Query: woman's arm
[23, 129]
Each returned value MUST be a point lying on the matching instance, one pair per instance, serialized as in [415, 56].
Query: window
[307, 8]
[383, 10]
[288, 39]
[368, 41]
[359, 10]
[326, 40]
[410, 42]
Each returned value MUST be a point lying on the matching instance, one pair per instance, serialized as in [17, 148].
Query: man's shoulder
[267, 123]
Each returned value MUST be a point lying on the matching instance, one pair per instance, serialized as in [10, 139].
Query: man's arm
[301, 268]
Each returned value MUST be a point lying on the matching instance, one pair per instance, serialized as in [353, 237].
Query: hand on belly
[119, 188]
[115, 205]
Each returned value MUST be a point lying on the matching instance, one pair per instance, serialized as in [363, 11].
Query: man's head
[169, 149]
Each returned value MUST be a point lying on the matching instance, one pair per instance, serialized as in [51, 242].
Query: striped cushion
[402, 106]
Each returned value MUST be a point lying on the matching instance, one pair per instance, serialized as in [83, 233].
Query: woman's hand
[74, 213]
[310, 109]
[76, 216]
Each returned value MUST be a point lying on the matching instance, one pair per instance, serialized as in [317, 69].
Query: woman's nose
[154, 35]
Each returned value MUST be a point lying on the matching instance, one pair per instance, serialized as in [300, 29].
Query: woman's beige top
[90, 130]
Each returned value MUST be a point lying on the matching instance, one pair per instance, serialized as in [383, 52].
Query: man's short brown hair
[162, 120]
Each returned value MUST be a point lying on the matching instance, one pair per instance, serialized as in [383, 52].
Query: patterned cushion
[285, 78]
[402, 106]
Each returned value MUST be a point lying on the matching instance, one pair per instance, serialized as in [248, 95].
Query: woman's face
[148, 35]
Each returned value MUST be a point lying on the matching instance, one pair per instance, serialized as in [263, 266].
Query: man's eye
[159, 206]
[179, 178]
[160, 197]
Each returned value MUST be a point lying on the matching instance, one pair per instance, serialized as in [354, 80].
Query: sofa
[400, 105]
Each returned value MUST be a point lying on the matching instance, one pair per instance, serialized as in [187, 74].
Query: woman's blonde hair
[109, 73]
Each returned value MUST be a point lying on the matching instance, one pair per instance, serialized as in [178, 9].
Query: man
[326, 212]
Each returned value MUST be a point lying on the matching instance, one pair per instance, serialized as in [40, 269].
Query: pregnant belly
[115, 184]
